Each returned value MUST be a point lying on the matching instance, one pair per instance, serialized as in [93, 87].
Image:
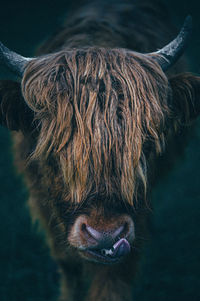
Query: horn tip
[188, 23]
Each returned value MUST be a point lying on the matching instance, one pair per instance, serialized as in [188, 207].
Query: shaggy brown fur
[91, 120]
[95, 116]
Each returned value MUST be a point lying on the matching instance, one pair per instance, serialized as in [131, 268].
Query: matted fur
[97, 108]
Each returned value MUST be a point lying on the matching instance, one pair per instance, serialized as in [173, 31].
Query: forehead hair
[97, 108]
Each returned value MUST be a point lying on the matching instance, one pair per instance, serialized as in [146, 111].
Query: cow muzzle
[106, 241]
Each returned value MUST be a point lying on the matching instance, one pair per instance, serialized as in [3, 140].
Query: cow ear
[185, 97]
[14, 112]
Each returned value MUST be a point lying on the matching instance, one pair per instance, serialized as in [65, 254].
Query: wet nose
[113, 239]
[103, 235]
[105, 241]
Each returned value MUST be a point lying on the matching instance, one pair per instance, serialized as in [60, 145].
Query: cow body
[97, 114]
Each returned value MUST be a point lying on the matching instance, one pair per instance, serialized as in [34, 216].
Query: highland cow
[91, 115]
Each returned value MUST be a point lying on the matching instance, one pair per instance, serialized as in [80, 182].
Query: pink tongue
[121, 248]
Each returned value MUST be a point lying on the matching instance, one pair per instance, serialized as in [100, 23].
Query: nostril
[83, 227]
[121, 231]
[88, 230]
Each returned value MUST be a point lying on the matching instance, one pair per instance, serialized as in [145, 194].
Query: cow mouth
[109, 256]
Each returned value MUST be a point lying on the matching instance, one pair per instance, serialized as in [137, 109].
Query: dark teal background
[170, 265]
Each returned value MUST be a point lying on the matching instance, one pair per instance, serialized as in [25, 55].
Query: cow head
[100, 117]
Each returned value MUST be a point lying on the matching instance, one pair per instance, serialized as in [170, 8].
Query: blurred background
[170, 264]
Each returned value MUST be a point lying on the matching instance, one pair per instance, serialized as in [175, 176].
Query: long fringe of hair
[97, 108]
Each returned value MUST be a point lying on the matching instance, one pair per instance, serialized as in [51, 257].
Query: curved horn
[15, 62]
[169, 54]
